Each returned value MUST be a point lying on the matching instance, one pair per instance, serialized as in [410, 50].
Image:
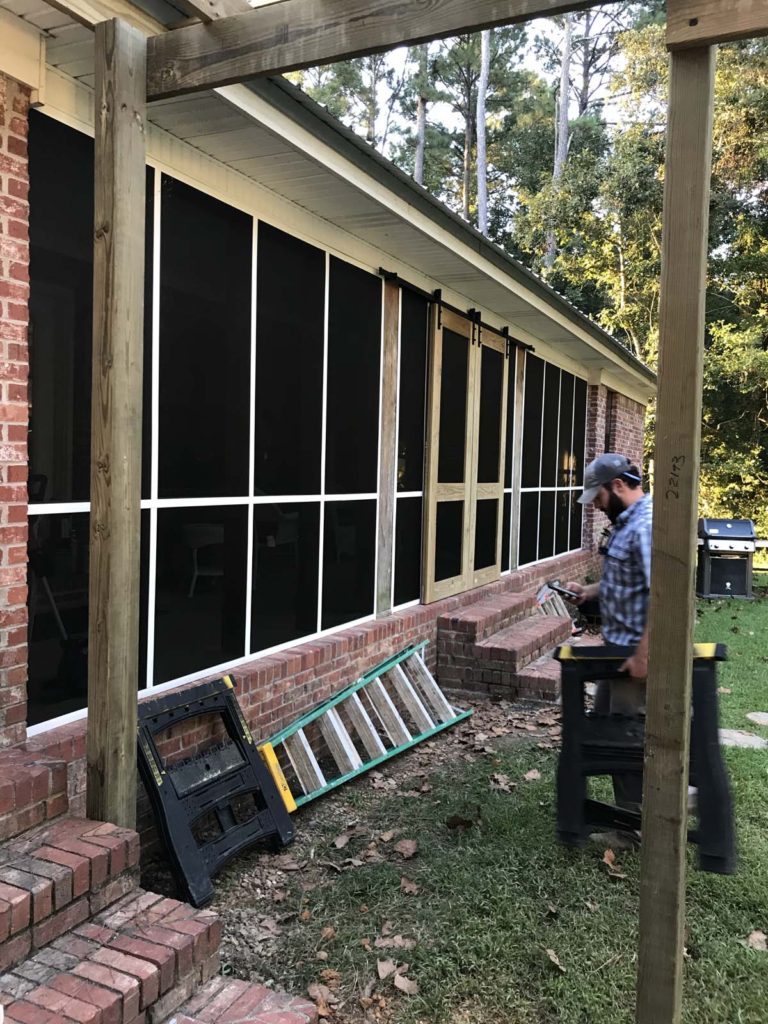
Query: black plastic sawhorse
[604, 744]
[227, 786]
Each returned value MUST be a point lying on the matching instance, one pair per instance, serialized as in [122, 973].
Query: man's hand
[637, 665]
[583, 592]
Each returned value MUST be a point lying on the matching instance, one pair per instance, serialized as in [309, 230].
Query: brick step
[477, 621]
[517, 646]
[57, 876]
[540, 679]
[134, 963]
[33, 789]
[228, 1001]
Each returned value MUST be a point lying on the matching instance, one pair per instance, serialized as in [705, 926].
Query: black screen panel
[414, 322]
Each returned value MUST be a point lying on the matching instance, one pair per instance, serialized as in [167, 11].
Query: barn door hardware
[390, 709]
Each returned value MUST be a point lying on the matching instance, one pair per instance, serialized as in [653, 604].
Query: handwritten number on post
[673, 481]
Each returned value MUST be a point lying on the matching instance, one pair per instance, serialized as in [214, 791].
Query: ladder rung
[410, 698]
[339, 741]
[364, 727]
[304, 762]
[388, 713]
[434, 695]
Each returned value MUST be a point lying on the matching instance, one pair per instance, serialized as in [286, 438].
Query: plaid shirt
[626, 581]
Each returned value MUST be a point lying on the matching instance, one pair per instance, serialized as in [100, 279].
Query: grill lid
[727, 529]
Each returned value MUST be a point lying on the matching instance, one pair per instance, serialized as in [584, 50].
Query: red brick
[60, 922]
[147, 974]
[162, 957]
[58, 1002]
[107, 1000]
[13, 951]
[78, 864]
[97, 857]
[29, 1013]
[181, 945]
[40, 889]
[20, 904]
[126, 986]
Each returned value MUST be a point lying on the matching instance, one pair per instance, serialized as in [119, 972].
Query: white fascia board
[22, 53]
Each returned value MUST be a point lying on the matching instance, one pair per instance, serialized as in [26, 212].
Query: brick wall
[597, 404]
[14, 367]
[625, 427]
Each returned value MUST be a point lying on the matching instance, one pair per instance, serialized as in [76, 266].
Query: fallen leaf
[269, 925]
[305, 915]
[387, 928]
[352, 862]
[279, 895]
[321, 954]
[723, 689]
[341, 841]
[366, 944]
[322, 997]
[533, 775]
[613, 869]
[395, 942]
[407, 985]
[407, 848]
[425, 787]
[757, 940]
[328, 933]
[285, 863]
[385, 968]
[387, 837]
[555, 959]
[331, 977]
[409, 888]
[502, 782]
[591, 907]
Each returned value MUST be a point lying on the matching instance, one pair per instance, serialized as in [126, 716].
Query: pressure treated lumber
[388, 446]
[678, 436]
[704, 22]
[303, 33]
[118, 328]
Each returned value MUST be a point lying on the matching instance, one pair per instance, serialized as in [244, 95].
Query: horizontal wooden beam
[211, 10]
[91, 12]
[303, 33]
[706, 22]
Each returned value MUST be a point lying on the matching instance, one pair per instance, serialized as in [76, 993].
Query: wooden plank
[421, 676]
[304, 762]
[211, 10]
[339, 742]
[704, 22]
[303, 33]
[388, 459]
[432, 440]
[678, 435]
[364, 727]
[118, 330]
[517, 454]
[91, 12]
[410, 698]
[388, 714]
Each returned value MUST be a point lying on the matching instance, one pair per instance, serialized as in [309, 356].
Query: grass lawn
[495, 895]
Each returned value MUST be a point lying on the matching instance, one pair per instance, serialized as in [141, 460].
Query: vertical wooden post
[678, 435]
[518, 354]
[388, 460]
[118, 323]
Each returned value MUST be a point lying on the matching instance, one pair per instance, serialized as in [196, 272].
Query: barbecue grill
[725, 558]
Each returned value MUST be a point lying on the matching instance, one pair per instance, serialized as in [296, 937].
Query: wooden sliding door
[465, 455]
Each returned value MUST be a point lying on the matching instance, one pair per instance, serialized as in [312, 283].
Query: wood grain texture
[388, 442]
[211, 10]
[91, 12]
[704, 22]
[678, 435]
[303, 33]
[518, 354]
[118, 327]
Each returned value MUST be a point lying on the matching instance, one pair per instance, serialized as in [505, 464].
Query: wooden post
[388, 462]
[678, 435]
[118, 324]
[518, 354]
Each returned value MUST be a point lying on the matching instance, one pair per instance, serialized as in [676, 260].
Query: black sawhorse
[604, 744]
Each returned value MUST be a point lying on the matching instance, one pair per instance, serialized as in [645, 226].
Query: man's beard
[615, 507]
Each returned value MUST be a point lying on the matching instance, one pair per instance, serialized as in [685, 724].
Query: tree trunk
[482, 154]
[469, 121]
[421, 115]
[561, 134]
[586, 65]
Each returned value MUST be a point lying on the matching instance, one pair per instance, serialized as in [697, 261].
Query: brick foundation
[14, 370]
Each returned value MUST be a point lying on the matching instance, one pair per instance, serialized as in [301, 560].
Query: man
[613, 485]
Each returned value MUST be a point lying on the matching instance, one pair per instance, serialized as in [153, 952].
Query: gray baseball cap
[601, 471]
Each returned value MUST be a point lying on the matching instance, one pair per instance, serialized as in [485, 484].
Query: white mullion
[321, 537]
[212, 502]
[154, 429]
[249, 579]
[541, 454]
[59, 507]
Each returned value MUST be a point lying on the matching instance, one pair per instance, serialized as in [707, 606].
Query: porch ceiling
[266, 131]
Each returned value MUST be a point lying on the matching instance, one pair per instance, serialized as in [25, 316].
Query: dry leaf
[328, 933]
[385, 968]
[387, 837]
[757, 940]
[409, 887]
[425, 787]
[285, 863]
[407, 985]
[279, 895]
[502, 782]
[366, 944]
[533, 775]
[555, 959]
[592, 907]
[723, 689]
[341, 841]
[387, 928]
[322, 997]
[331, 977]
[321, 954]
[407, 848]
[305, 915]
[395, 942]
[613, 869]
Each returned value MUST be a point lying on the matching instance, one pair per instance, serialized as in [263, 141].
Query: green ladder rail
[388, 710]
